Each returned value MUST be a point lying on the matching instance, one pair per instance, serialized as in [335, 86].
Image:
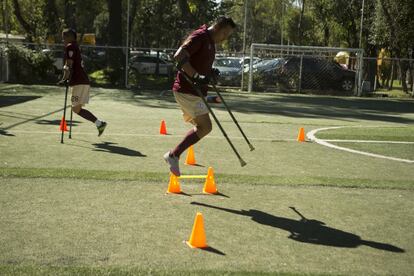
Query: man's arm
[67, 70]
[182, 57]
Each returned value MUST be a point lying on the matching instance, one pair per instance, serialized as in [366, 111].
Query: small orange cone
[163, 128]
[301, 135]
[210, 184]
[174, 185]
[190, 160]
[198, 235]
[63, 126]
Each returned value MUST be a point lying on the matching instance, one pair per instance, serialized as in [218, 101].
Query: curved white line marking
[311, 136]
[368, 141]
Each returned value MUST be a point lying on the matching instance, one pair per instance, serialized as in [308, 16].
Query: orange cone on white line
[163, 128]
[301, 135]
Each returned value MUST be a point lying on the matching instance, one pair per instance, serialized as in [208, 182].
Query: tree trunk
[133, 13]
[30, 31]
[70, 14]
[186, 14]
[300, 31]
[52, 18]
[116, 59]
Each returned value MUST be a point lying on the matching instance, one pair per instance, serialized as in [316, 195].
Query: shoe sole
[99, 134]
[166, 161]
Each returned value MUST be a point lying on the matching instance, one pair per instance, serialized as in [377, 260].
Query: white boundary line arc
[368, 141]
[311, 136]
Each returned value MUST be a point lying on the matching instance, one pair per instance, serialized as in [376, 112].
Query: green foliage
[393, 25]
[28, 66]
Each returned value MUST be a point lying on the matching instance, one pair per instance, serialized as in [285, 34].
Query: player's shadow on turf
[56, 122]
[5, 133]
[112, 148]
[309, 231]
[12, 100]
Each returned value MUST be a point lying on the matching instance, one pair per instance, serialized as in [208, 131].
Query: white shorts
[191, 106]
[80, 94]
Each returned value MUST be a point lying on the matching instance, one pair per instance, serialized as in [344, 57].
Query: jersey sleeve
[70, 52]
[193, 43]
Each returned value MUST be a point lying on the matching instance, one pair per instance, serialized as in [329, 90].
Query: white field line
[151, 135]
[311, 136]
[368, 141]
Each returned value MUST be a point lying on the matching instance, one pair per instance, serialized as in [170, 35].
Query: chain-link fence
[107, 66]
[301, 69]
[269, 68]
[382, 75]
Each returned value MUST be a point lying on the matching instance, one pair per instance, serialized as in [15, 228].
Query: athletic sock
[190, 139]
[87, 115]
[98, 123]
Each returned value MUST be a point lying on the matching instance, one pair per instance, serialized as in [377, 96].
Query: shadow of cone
[63, 126]
[190, 160]
[210, 184]
[198, 234]
[163, 128]
[174, 185]
[301, 135]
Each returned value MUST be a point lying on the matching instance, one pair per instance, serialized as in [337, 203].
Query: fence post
[251, 69]
[157, 67]
[360, 75]
[6, 55]
[300, 74]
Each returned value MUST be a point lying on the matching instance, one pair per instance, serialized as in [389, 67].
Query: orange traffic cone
[174, 185]
[163, 128]
[63, 126]
[210, 184]
[198, 235]
[301, 135]
[190, 160]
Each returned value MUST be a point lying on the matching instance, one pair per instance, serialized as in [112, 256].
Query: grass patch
[116, 226]
[405, 133]
[97, 205]
[404, 151]
[125, 271]
[153, 177]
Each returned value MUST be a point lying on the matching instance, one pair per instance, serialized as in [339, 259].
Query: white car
[147, 65]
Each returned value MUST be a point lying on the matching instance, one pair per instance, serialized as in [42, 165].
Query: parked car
[266, 66]
[230, 70]
[317, 74]
[247, 63]
[58, 57]
[147, 65]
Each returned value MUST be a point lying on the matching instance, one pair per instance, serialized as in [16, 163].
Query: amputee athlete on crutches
[195, 58]
[79, 86]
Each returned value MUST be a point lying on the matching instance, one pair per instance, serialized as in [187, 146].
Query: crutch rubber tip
[251, 147]
[242, 163]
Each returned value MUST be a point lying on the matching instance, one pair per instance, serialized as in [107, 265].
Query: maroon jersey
[73, 53]
[201, 48]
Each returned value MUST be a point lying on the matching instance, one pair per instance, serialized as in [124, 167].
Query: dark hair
[224, 21]
[70, 32]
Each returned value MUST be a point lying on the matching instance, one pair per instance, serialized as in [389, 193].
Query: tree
[115, 56]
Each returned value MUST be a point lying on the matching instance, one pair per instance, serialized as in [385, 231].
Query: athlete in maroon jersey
[196, 56]
[78, 79]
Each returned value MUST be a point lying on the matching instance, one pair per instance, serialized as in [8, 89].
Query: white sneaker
[173, 162]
